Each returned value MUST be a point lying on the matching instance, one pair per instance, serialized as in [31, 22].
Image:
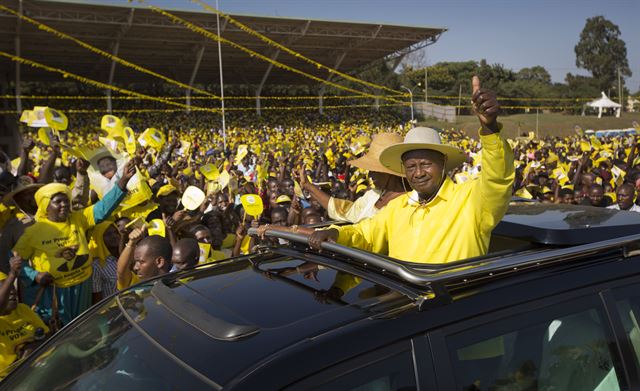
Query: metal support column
[18, 88]
[116, 49]
[323, 88]
[193, 75]
[274, 57]
[264, 79]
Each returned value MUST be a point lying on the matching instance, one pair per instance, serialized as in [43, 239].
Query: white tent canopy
[605, 103]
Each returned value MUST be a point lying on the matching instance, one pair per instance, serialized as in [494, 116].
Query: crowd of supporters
[93, 209]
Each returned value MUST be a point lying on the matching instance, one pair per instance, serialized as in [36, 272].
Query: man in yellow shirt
[439, 221]
[151, 257]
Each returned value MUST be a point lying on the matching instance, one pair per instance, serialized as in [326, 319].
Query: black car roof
[557, 224]
[241, 311]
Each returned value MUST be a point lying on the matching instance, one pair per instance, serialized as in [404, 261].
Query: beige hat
[420, 138]
[371, 160]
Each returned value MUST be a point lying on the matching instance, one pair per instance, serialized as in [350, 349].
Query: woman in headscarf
[57, 248]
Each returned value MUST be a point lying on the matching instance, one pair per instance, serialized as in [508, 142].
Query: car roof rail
[439, 277]
[212, 326]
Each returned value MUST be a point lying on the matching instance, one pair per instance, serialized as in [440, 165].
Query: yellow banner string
[119, 60]
[283, 108]
[275, 44]
[277, 64]
[94, 97]
[98, 84]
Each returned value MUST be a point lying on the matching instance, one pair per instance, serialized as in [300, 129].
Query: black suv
[554, 306]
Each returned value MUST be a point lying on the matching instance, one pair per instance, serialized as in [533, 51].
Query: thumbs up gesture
[485, 105]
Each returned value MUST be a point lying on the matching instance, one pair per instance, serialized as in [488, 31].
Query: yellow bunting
[98, 84]
[278, 64]
[117, 59]
[292, 52]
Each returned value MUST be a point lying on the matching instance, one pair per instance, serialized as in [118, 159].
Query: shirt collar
[444, 193]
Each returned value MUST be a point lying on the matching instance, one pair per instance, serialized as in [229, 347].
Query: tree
[601, 51]
[535, 73]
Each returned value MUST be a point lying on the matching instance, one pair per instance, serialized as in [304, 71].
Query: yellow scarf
[44, 195]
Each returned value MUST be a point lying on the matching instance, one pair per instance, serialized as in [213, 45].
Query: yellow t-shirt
[216, 255]
[229, 241]
[46, 244]
[244, 247]
[17, 328]
[134, 280]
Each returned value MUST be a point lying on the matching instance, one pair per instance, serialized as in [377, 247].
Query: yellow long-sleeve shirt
[456, 224]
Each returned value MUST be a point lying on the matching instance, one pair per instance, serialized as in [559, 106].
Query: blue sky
[515, 33]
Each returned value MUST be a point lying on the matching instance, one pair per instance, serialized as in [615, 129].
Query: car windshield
[105, 351]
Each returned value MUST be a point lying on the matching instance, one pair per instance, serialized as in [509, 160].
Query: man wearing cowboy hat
[439, 221]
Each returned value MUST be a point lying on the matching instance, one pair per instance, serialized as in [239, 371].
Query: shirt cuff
[492, 139]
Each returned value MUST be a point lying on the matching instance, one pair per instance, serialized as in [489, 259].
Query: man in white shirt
[625, 197]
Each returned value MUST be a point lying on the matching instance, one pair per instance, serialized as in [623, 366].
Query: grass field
[548, 124]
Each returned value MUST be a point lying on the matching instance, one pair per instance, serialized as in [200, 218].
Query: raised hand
[28, 144]
[82, 166]
[128, 172]
[485, 105]
[15, 264]
[137, 234]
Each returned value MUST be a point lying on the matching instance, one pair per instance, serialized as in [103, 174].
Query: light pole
[224, 126]
[411, 97]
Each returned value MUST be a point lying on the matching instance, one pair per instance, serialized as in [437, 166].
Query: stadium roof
[151, 40]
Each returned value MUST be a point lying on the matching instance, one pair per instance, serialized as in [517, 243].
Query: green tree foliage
[536, 73]
[601, 51]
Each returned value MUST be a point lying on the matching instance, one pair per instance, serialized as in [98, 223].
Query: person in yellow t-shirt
[150, 255]
[21, 330]
[439, 221]
[205, 240]
[57, 249]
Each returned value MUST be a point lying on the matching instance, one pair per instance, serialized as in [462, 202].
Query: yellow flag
[157, 227]
[113, 126]
[223, 179]
[585, 146]
[210, 172]
[252, 204]
[130, 140]
[153, 138]
[243, 150]
[523, 193]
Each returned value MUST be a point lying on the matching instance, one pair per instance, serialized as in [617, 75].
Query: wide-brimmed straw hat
[22, 183]
[371, 160]
[22, 187]
[420, 138]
